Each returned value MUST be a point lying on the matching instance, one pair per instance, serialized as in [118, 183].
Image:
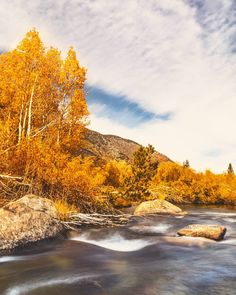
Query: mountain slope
[109, 147]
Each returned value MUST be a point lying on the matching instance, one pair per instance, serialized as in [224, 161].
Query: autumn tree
[180, 185]
[43, 113]
[40, 92]
[116, 173]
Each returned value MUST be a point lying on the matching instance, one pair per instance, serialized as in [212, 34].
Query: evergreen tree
[230, 169]
[186, 164]
[143, 169]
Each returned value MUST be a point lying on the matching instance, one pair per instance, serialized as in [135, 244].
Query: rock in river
[157, 207]
[213, 232]
[27, 220]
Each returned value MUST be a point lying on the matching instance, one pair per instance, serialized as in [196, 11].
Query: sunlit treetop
[41, 93]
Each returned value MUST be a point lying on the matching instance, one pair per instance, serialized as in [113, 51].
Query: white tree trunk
[30, 108]
[20, 122]
[24, 122]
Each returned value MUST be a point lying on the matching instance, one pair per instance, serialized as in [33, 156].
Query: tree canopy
[41, 95]
[43, 114]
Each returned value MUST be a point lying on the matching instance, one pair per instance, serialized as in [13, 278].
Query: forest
[43, 119]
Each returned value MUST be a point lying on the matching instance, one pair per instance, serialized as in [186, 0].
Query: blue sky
[160, 72]
[120, 109]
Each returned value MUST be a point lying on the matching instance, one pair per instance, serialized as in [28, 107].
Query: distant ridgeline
[112, 147]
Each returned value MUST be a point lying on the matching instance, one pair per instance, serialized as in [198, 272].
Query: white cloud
[165, 55]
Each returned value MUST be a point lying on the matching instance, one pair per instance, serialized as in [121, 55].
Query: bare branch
[10, 176]
[78, 219]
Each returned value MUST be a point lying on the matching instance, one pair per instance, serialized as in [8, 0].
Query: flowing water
[144, 258]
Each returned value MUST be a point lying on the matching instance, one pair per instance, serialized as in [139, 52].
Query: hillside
[109, 147]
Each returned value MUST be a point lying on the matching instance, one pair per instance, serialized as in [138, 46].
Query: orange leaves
[42, 117]
[38, 87]
[168, 172]
[116, 173]
[184, 185]
[73, 105]
[81, 177]
[31, 46]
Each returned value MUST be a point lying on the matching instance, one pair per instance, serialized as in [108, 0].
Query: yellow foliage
[64, 209]
[43, 113]
[82, 175]
[116, 173]
[183, 185]
[120, 202]
[41, 95]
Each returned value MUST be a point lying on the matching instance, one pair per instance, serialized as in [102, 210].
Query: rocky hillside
[109, 147]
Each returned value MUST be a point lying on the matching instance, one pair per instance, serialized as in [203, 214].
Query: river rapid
[144, 258]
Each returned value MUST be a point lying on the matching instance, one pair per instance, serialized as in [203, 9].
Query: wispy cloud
[166, 56]
[119, 109]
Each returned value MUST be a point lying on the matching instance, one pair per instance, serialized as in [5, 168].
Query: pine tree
[230, 169]
[143, 169]
[186, 164]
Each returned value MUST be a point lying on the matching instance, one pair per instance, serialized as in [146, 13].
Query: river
[144, 258]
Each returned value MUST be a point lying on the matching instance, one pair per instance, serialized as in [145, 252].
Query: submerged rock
[213, 232]
[157, 207]
[27, 220]
[188, 241]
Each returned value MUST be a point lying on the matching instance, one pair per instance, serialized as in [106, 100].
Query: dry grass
[64, 209]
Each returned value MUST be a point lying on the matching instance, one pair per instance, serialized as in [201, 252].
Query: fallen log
[95, 219]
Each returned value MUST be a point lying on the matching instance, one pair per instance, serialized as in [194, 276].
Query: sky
[159, 71]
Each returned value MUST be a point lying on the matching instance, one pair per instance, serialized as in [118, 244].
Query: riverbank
[33, 218]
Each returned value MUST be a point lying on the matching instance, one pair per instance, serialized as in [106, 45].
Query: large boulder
[157, 207]
[213, 232]
[27, 220]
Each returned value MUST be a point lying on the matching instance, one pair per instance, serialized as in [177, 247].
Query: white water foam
[231, 220]
[229, 242]
[218, 214]
[25, 288]
[160, 228]
[115, 243]
[13, 258]
[4, 259]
